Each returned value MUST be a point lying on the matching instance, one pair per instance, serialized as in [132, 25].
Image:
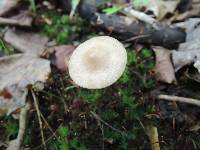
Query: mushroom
[98, 62]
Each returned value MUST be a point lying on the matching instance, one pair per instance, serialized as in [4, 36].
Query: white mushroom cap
[98, 62]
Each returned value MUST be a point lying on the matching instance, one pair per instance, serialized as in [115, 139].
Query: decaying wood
[124, 28]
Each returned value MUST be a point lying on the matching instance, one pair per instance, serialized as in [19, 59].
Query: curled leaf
[7, 5]
[62, 56]
[164, 69]
[17, 72]
[26, 42]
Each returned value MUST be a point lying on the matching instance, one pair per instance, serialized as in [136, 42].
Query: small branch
[105, 123]
[47, 140]
[47, 124]
[142, 17]
[16, 144]
[6, 21]
[39, 118]
[179, 99]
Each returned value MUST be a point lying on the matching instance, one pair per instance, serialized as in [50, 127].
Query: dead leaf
[189, 46]
[183, 58]
[17, 99]
[7, 5]
[148, 5]
[192, 27]
[167, 7]
[26, 42]
[197, 65]
[16, 73]
[189, 51]
[62, 56]
[22, 19]
[159, 8]
[193, 11]
[164, 69]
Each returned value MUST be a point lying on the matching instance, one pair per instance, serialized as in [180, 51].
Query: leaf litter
[27, 70]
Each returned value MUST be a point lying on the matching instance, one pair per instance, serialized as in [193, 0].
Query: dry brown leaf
[12, 98]
[149, 5]
[7, 5]
[62, 56]
[16, 73]
[22, 19]
[159, 8]
[26, 42]
[167, 7]
[164, 69]
[193, 11]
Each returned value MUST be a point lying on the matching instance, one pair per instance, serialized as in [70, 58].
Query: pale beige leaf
[183, 58]
[189, 51]
[22, 19]
[164, 69]
[12, 98]
[159, 8]
[193, 11]
[189, 46]
[16, 73]
[62, 56]
[7, 5]
[167, 7]
[26, 42]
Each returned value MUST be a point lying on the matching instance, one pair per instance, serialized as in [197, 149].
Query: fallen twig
[179, 99]
[105, 123]
[125, 27]
[6, 21]
[49, 138]
[47, 124]
[39, 119]
[142, 17]
[16, 144]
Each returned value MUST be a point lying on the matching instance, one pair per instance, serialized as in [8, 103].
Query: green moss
[90, 96]
[62, 27]
[5, 49]
[10, 127]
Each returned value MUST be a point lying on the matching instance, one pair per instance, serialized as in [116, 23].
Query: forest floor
[124, 116]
